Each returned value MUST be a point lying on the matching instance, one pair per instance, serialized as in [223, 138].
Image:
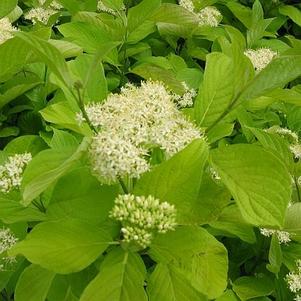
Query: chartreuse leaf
[224, 77]
[62, 114]
[49, 54]
[87, 200]
[228, 295]
[46, 167]
[231, 221]
[167, 283]
[174, 20]
[251, 287]
[197, 254]
[275, 256]
[275, 143]
[27, 143]
[216, 90]
[293, 222]
[278, 73]
[64, 246]
[13, 57]
[33, 284]
[12, 212]
[6, 6]
[292, 12]
[121, 278]
[178, 180]
[258, 180]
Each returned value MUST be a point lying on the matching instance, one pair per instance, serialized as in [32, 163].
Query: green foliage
[229, 220]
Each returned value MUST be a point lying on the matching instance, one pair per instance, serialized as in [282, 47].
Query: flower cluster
[11, 172]
[6, 30]
[283, 236]
[261, 57]
[7, 241]
[185, 100]
[42, 14]
[130, 125]
[290, 136]
[294, 281]
[141, 217]
[103, 8]
[208, 16]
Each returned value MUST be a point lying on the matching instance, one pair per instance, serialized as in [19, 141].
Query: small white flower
[209, 16]
[185, 100]
[297, 298]
[296, 150]
[293, 279]
[131, 124]
[261, 57]
[6, 30]
[142, 217]
[187, 4]
[283, 236]
[7, 240]
[11, 172]
[40, 14]
[103, 8]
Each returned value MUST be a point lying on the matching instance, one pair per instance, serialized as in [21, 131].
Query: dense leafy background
[68, 246]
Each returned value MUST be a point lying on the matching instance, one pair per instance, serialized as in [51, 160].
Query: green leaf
[13, 57]
[64, 246]
[27, 143]
[278, 73]
[228, 295]
[6, 6]
[232, 222]
[212, 198]
[166, 283]
[96, 86]
[197, 254]
[49, 54]
[12, 212]
[216, 90]
[292, 221]
[62, 114]
[45, 168]
[172, 19]
[275, 256]
[18, 89]
[168, 77]
[252, 287]
[177, 180]
[87, 200]
[258, 181]
[292, 12]
[275, 143]
[121, 278]
[33, 284]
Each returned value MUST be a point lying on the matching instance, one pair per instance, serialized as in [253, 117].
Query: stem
[83, 110]
[122, 184]
[297, 188]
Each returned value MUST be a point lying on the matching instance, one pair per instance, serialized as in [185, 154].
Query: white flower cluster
[208, 16]
[283, 236]
[103, 8]
[7, 241]
[261, 57]
[294, 281]
[42, 14]
[131, 124]
[141, 217]
[6, 30]
[11, 172]
[292, 138]
[185, 100]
